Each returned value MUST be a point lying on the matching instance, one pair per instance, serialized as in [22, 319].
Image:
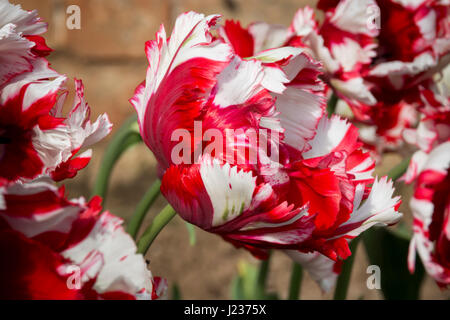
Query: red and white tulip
[35, 137]
[55, 248]
[309, 197]
[402, 66]
[431, 210]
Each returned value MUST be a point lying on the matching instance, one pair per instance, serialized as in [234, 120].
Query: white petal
[439, 158]
[267, 36]
[322, 53]
[57, 220]
[415, 166]
[15, 54]
[229, 190]
[319, 267]
[304, 22]
[396, 70]
[353, 16]
[330, 134]
[27, 22]
[190, 39]
[349, 53]
[300, 105]
[83, 132]
[299, 114]
[378, 208]
[122, 268]
[238, 82]
[53, 146]
[355, 89]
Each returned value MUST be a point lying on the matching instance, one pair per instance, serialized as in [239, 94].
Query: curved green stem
[192, 234]
[396, 172]
[142, 208]
[343, 281]
[331, 105]
[296, 281]
[150, 234]
[125, 137]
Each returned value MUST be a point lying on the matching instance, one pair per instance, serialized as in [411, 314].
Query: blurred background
[107, 53]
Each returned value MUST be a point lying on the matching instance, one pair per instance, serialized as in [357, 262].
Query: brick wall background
[107, 53]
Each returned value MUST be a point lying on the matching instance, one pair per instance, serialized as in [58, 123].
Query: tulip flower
[55, 248]
[35, 137]
[288, 178]
[431, 206]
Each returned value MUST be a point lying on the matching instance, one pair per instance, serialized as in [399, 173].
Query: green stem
[160, 221]
[125, 137]
[296, 281]
[399, 170]
[331, 105]
[343, 281]
[142, 208]
[262, 274]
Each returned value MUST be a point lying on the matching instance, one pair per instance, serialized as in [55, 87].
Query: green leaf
[331, 105]
[176, 293]
[390, 251]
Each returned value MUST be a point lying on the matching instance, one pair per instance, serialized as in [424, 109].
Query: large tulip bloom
[429, 170]
[376, 54]
[55, 248]
[304, 194]
[414, 44]
[35, 138]
[51, 247]
[344, 43]
[431, 209]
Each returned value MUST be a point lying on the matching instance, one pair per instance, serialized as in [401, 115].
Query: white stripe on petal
[349, 53]
[229, 190]
[267, 36]
[299, 112]
[353, 16]
[15, 54]
[27, 22]
[377, 209]
[238, 82]
[304, 22]
[330, 134]
[122, 269]
[59, 219]
[355, 89]
[190, 39]
[53, 146]
[439, 158]
[361, 171]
